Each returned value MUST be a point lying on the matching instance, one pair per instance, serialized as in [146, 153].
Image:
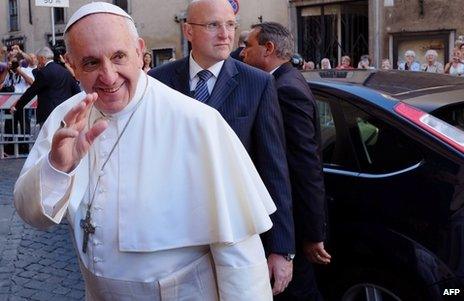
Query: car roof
[426, 91]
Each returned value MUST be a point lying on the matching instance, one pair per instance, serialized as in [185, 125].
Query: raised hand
[71, 141]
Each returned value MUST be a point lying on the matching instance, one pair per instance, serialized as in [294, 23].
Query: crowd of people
[16, 69]
[454, 67]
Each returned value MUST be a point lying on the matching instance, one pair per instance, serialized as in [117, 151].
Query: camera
[14, 66]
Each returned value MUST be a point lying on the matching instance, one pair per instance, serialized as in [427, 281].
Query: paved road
[34, 265]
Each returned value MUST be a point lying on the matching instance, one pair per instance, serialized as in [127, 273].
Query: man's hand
[281, 270]
[315, 252]
[70, 143]
[12, 110]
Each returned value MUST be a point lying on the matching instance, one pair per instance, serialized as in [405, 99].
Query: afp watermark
[451, 292]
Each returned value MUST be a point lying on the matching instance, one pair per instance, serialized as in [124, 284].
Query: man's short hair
[242, 37]
[45, 52]
[279, 35]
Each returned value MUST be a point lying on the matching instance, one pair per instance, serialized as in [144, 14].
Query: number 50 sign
[52, 3]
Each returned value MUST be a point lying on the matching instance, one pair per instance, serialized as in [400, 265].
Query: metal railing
[17, 136]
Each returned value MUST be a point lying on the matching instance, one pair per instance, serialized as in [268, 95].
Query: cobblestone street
[34, 265]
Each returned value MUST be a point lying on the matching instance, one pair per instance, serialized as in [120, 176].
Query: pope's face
[106, 59]
[210, 46]
[253, 54]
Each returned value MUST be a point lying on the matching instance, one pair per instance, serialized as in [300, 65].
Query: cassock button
[96, 259]
[101, 173]
[103, 137]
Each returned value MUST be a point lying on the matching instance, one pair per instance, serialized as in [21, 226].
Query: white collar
[195, 68]
[274, 70]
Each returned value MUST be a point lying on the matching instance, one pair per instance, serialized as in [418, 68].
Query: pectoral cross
[88, 228]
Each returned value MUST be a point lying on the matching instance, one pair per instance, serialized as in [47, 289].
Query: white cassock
[178, 209]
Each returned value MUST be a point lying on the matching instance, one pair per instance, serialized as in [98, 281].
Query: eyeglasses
[215, 26]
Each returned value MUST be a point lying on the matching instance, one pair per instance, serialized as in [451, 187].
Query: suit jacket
[52, 85]
[303, 136]
[247, 100]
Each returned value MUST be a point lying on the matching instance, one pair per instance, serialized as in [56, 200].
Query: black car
[393, 152]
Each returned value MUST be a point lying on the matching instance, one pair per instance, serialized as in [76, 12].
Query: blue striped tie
[201, 90]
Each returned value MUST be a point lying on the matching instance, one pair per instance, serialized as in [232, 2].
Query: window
[162, 56]
[452, 114]
[13, 15]
[59, 15]
[122, 4]
[379, 146]
[335, 145]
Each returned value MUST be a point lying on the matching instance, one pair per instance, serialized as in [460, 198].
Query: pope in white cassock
[162, 199]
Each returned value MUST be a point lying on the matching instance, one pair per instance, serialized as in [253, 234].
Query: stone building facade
[380, 28]
[323, 28]
[159, 22]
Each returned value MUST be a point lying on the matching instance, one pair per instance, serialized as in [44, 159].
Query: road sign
[52, 3]
[235, 5]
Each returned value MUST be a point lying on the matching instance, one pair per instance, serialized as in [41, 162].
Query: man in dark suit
[241, 44]
[246, 98]
[269, 46]
[53, 84]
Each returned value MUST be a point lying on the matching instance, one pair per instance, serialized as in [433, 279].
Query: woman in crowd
[431, 64]
[365, 62]
[455, 67]
[410, 63]
[325, 63]
[385, 65]
[346, 63]
[309, 65]
[147, 62]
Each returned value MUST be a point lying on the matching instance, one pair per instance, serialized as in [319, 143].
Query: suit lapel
[181, 82]
[225, 84]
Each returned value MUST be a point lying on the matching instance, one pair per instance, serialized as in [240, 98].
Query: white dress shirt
[194, 68]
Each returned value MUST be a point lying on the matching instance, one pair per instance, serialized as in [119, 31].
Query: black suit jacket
[53, 84]
[247, 100]
[303, 135]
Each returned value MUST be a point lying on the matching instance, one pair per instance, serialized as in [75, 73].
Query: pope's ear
[140, 50]
[140, 47]
[68, 60]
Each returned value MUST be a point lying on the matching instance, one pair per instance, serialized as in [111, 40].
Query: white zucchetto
[96, 8]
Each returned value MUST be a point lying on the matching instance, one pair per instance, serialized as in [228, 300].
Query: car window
[335, 144]
[380, 147]
[328, 131]
[453, 115]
